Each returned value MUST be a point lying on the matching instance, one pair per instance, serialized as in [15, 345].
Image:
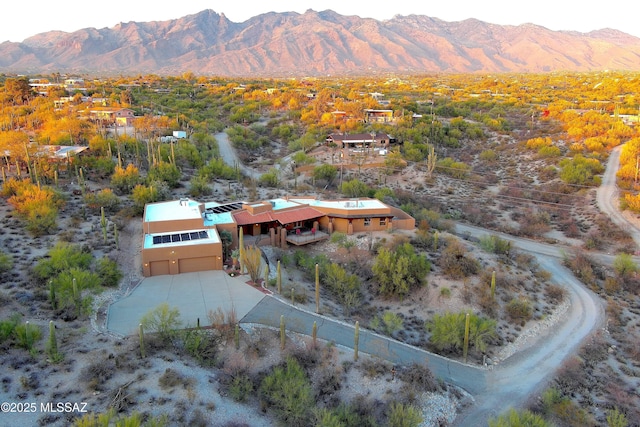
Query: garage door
[159, 267]
[191, 265]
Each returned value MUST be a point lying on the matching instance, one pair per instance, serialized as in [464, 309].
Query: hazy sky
[22, 20]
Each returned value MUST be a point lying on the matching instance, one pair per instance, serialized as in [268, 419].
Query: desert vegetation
[520, 154]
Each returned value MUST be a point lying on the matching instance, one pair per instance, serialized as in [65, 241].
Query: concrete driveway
[193, 294]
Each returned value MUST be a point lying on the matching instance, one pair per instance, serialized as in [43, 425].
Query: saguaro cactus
[236, 336]
[115, 235]
[493, 285]
[76, 297]
[283, 335]
[53, 343]
[103, 224]
[465, 350]
[435, 240]
[317, 288]
[141, 335]
[314, 334]
[279, 279]
[356, 340]
[52, 295]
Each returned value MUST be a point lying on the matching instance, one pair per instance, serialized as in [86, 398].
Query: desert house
[183, 235]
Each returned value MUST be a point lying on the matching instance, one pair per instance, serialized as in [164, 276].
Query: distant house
[360, 140]
[378, 116]
[183, 235]
[117, 116]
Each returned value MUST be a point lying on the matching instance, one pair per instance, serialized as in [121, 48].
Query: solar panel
[180, 237]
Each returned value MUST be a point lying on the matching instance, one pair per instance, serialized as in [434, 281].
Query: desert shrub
[271, 178]
[108, 272]
[124, 180]
[404, 415]
[389, 323]
[6, 262]
[513, 418]
[104, 198]
[98, 372]
[519, 310]
[163, 320]
[288, 392]
[615, 418]
[556, 405]
[420, 377]
[447, 331]
[580, 170]
[548, 152]
[345, 286]
[356, 188]
[251, 260]
[172, 379]
[201, 344]
[344, 415]
[494, 244]
[27, 335]
[399, 271]
[217, 168]
[240, 387]
[624, 265]
[199, 186]
[455, 262]
[164, 172]
[8, 326]
[70, 295]
[448, 166]
[62, 257]
[555, 293]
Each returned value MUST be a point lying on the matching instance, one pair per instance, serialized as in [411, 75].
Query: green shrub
[27, 335]
[163, 320]
[515, 418]
[108, 272]
[7, 327]
[6, 262]
[404, 416]
[240, 388]
[519, 310]
[287, 390]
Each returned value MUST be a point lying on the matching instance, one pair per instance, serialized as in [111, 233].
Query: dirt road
[607, 198]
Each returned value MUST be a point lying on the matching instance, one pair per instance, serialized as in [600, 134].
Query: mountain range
[318, 44]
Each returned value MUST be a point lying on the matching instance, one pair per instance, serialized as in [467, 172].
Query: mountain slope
[318, 43]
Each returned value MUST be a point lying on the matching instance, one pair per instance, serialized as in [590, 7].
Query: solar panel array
[180, 237]
[229, 207]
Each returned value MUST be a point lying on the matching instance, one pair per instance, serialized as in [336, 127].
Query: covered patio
[306, 237]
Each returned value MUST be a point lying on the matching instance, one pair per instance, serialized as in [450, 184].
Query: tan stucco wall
[203, 257]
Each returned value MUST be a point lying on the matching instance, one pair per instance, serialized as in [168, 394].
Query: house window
[367, 222]
[383, 221]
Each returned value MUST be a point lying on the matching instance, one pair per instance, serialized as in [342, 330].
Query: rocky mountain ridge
[318, 43]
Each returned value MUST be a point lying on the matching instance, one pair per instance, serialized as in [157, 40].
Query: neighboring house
[117, 116]
[360, 140]
[378, 116]
[184, 235]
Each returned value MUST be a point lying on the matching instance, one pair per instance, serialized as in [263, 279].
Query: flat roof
[211, 237]
[172, 210]
[221, 218]
[350, 204]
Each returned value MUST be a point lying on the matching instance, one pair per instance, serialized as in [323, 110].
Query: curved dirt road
[511, 383]
[230, 157]
[607, 198]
